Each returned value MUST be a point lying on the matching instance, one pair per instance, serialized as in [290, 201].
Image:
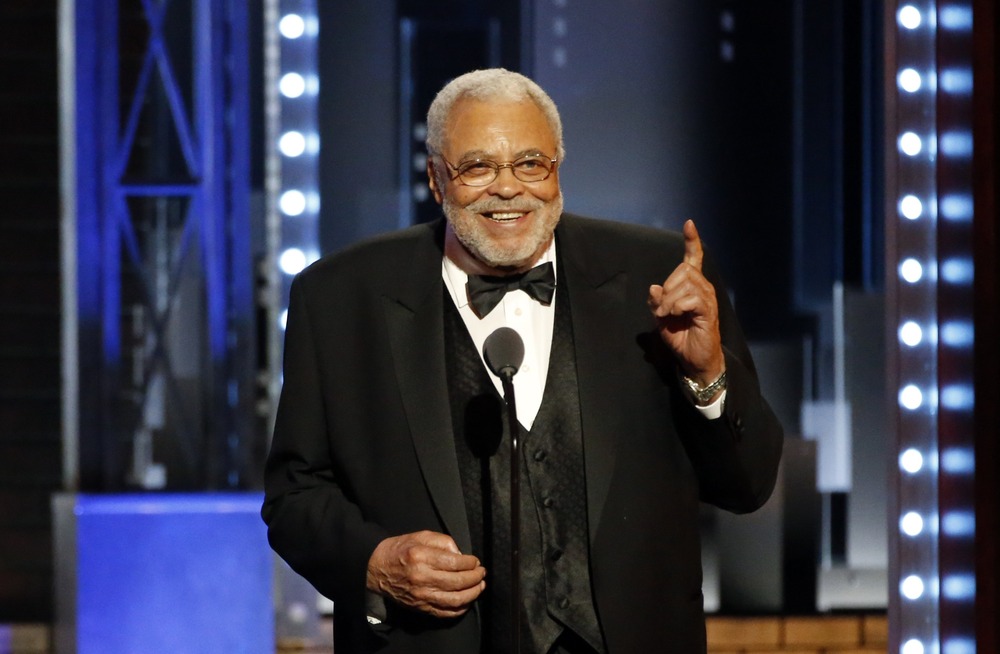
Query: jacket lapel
[597, 288]
[414, 314]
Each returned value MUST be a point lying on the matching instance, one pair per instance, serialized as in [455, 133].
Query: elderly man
[387, 480]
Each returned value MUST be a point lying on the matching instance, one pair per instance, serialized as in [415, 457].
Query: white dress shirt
[531, 319]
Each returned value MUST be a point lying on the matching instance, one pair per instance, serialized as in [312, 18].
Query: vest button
[547, 502]
[556, 554]
[540, 455]
[564, 602]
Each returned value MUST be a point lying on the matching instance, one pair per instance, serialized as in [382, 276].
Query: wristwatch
[703, 395]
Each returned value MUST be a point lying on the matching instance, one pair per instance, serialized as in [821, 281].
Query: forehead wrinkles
[479, 129]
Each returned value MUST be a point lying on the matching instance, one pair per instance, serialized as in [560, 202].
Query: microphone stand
[507, 379]
[503, 351]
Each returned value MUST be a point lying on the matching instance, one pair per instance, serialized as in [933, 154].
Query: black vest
[555, 574]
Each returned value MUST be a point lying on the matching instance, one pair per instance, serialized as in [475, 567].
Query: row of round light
[917, 298]
[297, 141]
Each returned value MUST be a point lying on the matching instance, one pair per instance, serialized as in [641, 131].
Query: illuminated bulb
[292, 85]
[283, 319]
[910, 333]
[957, 206]
[958, 270]
[910, 144]
[959, 587]
[958, 333]
[292, 26]
[292, 261]
[911, 270]
[959, 524]
[909, 17]
[912, 646]
[292, 203]
[912, 524]
[292, 144]
[909, 80]
[911, 207]
[912, 587]
[910, 397]
[911, 461]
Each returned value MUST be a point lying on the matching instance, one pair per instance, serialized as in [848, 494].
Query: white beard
[472, 233]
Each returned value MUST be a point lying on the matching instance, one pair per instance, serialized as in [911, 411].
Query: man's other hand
[425, 571]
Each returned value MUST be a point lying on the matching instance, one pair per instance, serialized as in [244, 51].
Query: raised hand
[687, 314]
[425, 571]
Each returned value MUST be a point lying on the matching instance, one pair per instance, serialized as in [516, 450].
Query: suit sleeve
[736, 455]
[312, 524]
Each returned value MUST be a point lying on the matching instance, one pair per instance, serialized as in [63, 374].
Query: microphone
[504, 352]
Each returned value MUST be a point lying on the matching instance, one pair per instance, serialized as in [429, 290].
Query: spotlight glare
[910, 333]
[912, 646]
[292, 144]
[909, 80]
[911, 207]
[292, 26]
[910, 397]
[912, 587]
[911, 461]
[910, 144]
[292, 261]
[909, 17]
[292, 203]
[911, 270]
[911, 524]
[292, 85]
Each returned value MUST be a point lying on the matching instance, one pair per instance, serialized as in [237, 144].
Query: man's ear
[432, 181]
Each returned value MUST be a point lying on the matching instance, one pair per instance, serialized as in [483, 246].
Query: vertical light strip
[956, 424]
[296, 140]
[913, 281]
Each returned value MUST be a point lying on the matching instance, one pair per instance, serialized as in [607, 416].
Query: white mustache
[493, 205]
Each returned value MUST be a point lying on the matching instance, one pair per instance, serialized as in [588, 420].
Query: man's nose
[506, 184]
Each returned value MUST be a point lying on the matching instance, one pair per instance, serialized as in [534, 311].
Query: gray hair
[496, 84]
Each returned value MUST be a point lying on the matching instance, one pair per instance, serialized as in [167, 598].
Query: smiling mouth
[504, 216]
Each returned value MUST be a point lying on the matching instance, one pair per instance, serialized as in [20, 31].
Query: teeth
[506, 216]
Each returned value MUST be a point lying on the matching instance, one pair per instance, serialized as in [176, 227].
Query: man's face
[508, 223]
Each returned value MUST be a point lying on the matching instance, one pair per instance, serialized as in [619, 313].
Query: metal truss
[165, 285]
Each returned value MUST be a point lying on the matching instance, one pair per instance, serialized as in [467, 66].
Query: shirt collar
[455, 278]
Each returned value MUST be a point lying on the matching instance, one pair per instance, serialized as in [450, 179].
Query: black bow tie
[485, 291]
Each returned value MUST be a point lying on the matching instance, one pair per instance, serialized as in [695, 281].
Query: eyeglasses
[481, 172]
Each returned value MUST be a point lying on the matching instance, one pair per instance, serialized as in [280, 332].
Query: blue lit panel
[172, 574]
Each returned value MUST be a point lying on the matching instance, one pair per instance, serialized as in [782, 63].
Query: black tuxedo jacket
[363, 446]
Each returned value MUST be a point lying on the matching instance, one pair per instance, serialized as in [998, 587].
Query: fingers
[427, 572]
[685, 291]
[687, 313]
[693, 254]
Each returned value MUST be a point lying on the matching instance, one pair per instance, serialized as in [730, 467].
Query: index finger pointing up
[692, 245]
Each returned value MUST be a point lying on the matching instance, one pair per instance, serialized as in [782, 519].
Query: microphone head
[504, 352]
